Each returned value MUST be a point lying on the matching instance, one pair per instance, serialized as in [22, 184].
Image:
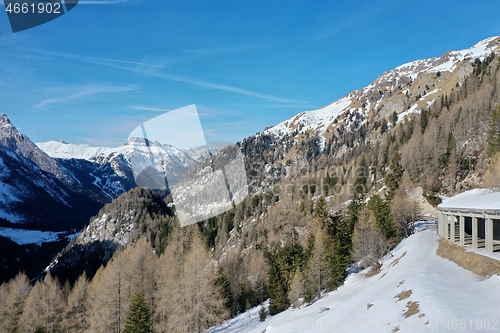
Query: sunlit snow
[21, 236]
[445, 296]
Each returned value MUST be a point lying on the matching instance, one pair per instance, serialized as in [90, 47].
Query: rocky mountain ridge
[403, 91]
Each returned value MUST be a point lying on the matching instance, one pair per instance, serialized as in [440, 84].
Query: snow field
[415, 291]
[22, 237]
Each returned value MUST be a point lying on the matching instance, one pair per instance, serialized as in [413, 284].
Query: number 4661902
[32, 8]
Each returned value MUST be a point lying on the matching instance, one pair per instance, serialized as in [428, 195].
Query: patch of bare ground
[400, 283]
[396, 261]
[473, 262]
[403, 295]
[383, 275]
[373, 271]
[412, 308]
[395, 329]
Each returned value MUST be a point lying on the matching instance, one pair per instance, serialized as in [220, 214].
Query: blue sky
[94, 74]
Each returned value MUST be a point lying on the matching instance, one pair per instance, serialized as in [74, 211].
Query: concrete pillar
[440, 224]
[474, 232]
[452, 228]
[488, 234]
[461, 224]
[446, 223]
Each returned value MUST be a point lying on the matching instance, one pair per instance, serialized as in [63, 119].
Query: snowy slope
[448, 62]
[21, 236]
[479, 198]
[22, 181]
[59, 149]
[447, 296]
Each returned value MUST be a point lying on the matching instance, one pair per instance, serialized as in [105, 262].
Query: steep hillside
[18, 143]
[415, 291]
[398, 93]
[435, 113]
[119, 224]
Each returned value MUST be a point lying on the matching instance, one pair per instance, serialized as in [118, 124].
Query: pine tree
[394, 177]
[296, 291]
[315, 271]
[494, 131]
[450, 146]
[369, 244]
[40, 329]
[329, 184]
[222, 283]
[16, 291]
[382, 212]
[321, 211]
[76, 312]
[357, 199]
[424, 120]
[139, 316]
[337, 250]
[277, 289]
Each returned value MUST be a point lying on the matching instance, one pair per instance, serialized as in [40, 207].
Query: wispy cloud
[328, 30]
[218, 50]
[223, 87]
[122, 64]
[148, 108]
[148, 66]
[203, 111]
[78, 93]
[210, 134]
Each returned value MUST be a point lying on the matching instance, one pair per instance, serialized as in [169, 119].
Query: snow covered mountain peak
[20, 144]
[448, 61]
[135, 152]
[406, 89]
[7, 130]
[4, 120]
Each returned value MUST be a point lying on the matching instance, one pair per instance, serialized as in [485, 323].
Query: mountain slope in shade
[404, 90]
[31, 198]
[20, 144]
[36, 191]
[41, 203]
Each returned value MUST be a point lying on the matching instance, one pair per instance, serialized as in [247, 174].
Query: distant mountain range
[58, 186]
[50, 190]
